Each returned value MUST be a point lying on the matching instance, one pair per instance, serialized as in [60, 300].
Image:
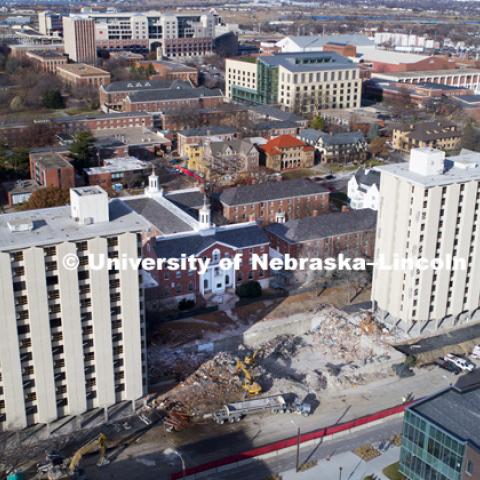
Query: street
[145, 457]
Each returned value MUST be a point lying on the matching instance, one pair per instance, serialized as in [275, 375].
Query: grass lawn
[392, 472]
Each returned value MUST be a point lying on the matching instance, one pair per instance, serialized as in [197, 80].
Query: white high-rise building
[79, 39]
[429, 210]
[73, 336]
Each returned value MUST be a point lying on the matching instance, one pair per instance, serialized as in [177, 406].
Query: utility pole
[340, 473]
[298, 451]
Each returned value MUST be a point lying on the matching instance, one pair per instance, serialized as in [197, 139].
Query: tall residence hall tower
[79, 39]
[429, 208]
[72, 339]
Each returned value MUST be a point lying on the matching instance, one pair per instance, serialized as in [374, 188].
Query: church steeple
[153, 183]
[204, 214]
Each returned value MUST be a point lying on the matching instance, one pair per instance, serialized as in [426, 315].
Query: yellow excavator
[249, 360]
[58, 468]
[251, 387]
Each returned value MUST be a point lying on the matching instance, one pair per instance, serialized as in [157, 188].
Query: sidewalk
[353, 467]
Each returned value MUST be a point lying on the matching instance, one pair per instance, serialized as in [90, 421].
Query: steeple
[153, 183]
[204, 214]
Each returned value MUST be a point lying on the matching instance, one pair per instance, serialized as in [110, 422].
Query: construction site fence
[292, 441]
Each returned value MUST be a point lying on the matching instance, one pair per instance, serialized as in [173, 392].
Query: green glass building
[441, 434]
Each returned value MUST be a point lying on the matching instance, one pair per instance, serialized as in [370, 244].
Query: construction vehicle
[251, 387]
[249, 359]
[58, 468]
[234, 412]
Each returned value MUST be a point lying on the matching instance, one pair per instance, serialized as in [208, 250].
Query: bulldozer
[251, 387]
[58, 468]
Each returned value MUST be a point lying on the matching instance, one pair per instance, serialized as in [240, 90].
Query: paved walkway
[353, 467]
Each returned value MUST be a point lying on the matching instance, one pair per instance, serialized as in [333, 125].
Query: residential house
[364, 189]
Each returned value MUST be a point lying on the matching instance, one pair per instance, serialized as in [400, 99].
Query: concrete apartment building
[299, 82]
[79, 39]
[72, 339]
[83, 75]
[274, 202]
[428, 209]
[440, 134]
[440, 437]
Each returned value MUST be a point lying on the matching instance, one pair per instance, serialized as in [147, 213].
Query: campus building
[83, 75]
[73, 339]
[428, 210]
[440, 434]
[79, 39]
[299, 82]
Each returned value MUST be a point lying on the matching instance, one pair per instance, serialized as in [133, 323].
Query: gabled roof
[238, 237]
[235, 146]
[139, 85]
[207, 131]
[367, 177]
[244, 194]
[324, 226]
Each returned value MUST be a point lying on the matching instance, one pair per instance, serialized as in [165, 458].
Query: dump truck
[234, 412]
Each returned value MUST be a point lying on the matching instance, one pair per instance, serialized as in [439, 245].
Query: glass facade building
[428, 452]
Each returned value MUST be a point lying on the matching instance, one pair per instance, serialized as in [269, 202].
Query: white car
[459, 362]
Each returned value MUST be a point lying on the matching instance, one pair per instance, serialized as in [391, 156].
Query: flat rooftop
[456, 410]
[48, 54]
[431, 73]
[461, 168]
[118, 165]
[55, 225]
[130, 136]
[51, 160]
[83, 70]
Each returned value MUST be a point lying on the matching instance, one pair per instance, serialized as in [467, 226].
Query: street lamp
[340, 473]
[297, 462]
[170, 451]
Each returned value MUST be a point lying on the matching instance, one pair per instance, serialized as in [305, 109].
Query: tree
[151, 70]
[471, 137]
[317, 123]
[378, 147]
[53, 99]
[82, 150]
[46, 198]
[19, 161]
[16, 104]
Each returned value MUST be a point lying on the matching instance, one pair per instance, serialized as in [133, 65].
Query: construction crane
[251, 387]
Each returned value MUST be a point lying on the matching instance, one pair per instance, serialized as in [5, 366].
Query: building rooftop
[273, 113]
[51, 159]
[366, 177]
[461, 168]
[160, 216]
[179, 67]
[311, 41]
[98, 116]
[55, 225]
[275, 146]
[48, 54]
[456, 409]
[343, 138]
[189, 200]
[140, 85]
[236, 236]
[429, 130]
[173, 94]
[324, 226]
[431, 74]
[469, 99]
[244, 194]
[308, 61]
[207, 131]
[129, 136]
[83, 70]
[118, 165]
[20, 186]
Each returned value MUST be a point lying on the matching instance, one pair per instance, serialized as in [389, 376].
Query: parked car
[460, 362]
[449, 366]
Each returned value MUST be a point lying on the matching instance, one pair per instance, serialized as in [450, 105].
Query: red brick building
[286, 152]
[52, 169]
[165, 70]
[351, 233]
[273, 202]
[177, 100]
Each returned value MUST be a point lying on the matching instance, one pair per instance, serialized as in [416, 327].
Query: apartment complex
[73, 339]
[173, 34]
[299, 82]
[441, 436]
[429, 213]
[440, 134]
[79, 39]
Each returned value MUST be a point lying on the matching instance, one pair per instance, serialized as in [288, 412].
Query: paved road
[263, 468]
[145, 458]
